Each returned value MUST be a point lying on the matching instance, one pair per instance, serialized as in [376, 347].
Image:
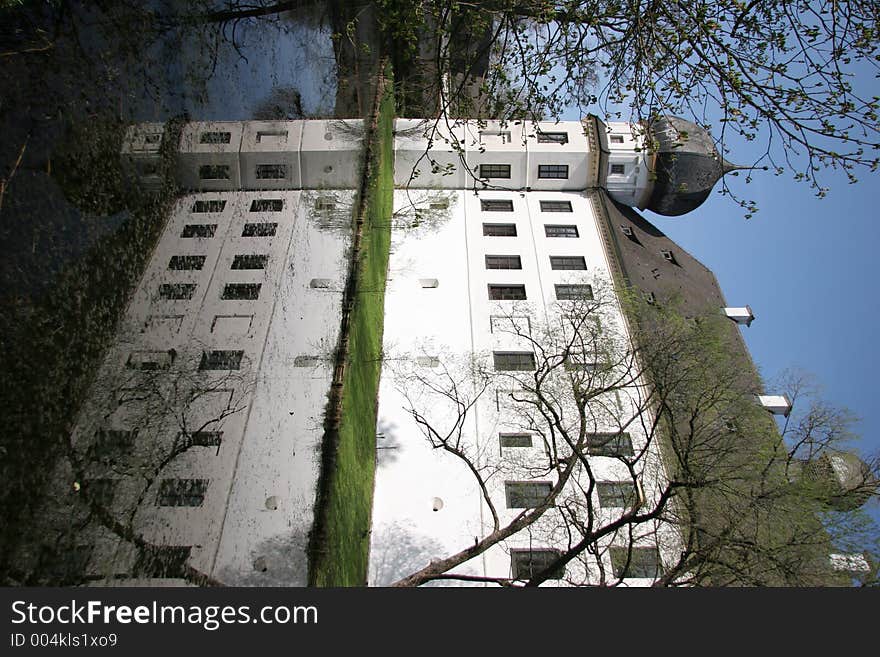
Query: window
[494, 171]
[525, 564]
[271, 171]
[552, 137]
[617, 169]
[553, 171]
[215, 137]
[561, 231]
[186, 262]
[526, 494]
[214, 172]
[259, 230]
[610, 444]
[579, 362]
[568, 262]
[514, 361]
[150, 360]
[321, 283]
[429, 283]
[502, 136]
[670, 256]
[100, 491]
[112, 444]
[627, 230]
[198, 439]
[208, 206]
[616, 139]
[267, 205]
[503, 262]
[499, 230]
[250, 262]
[442, 204]
[635, 562]
[616, 494]
[199, 230]
[272, 136]
[182, 492]
[493, 205]
[175, 291]
[507, 292]
[555, 206]
[515, 439]
[323, 204]
[241, 291]
[428, 361]
[152, 139]
[221, 360]
[573, 292]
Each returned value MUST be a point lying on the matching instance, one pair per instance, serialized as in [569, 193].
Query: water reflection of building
[201, 438]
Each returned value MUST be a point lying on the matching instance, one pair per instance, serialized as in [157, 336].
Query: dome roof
[686, 166]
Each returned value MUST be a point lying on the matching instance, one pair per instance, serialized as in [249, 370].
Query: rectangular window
[214, 172]
[515, 439]
[499, 230]
[241, 291]
[272, 136]
[100, 491]
[150, 360]
[616, 139]
[526, 494]
[496, 205]
[552, 137]
[516, 324]
[325, 204]
[613, 494]
[514, 361]
[186, 262]
[580, 362]
[567, 263]
[507, 292]
[553, 171]
[112, 444]
[610, 444]
[215, 137]
[175, 291]
[574, 292]
[503, 262]
[618, 169]
[635, 562]
[555, 206]
[525, 564]
[267, 205]
[209, 206]
[561, 231]
[250, 262]
[495, 136]
[271, 171]
[182, 492]
[199, 230]
[259, 230]
[198, 439]
[221, 360]
[494, 171]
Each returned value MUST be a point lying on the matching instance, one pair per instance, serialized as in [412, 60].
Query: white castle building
[205, 423]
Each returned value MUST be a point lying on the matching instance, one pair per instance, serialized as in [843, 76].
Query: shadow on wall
[278, 561]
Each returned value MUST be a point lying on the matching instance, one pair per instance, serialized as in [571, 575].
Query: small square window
[215, 137]
[618, 169]
[267, 205]
[272, 136]
[198, 439]
[552, 137]
[616, 494]
[610, 444]
[221, 360]
[177, 291]
[186, 262]
[325, 204]
[525, 564]
[199, 230]
[561, 231]
[271, 171]
[526, 494]
[182, 492]
[259, 230]
[507, 292]
[553, 171]
[112, 444]
[496, 205]
[555, 206]
[250, 262]
[641, 562]
[208, 206]
[503, 262]
[574, 292]
[494, 171]
[514, 361]
[241, 291]
[499, 230]
[515, 439]
[669, 255]
[566, 263]
[214, 172]
[616, 139]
